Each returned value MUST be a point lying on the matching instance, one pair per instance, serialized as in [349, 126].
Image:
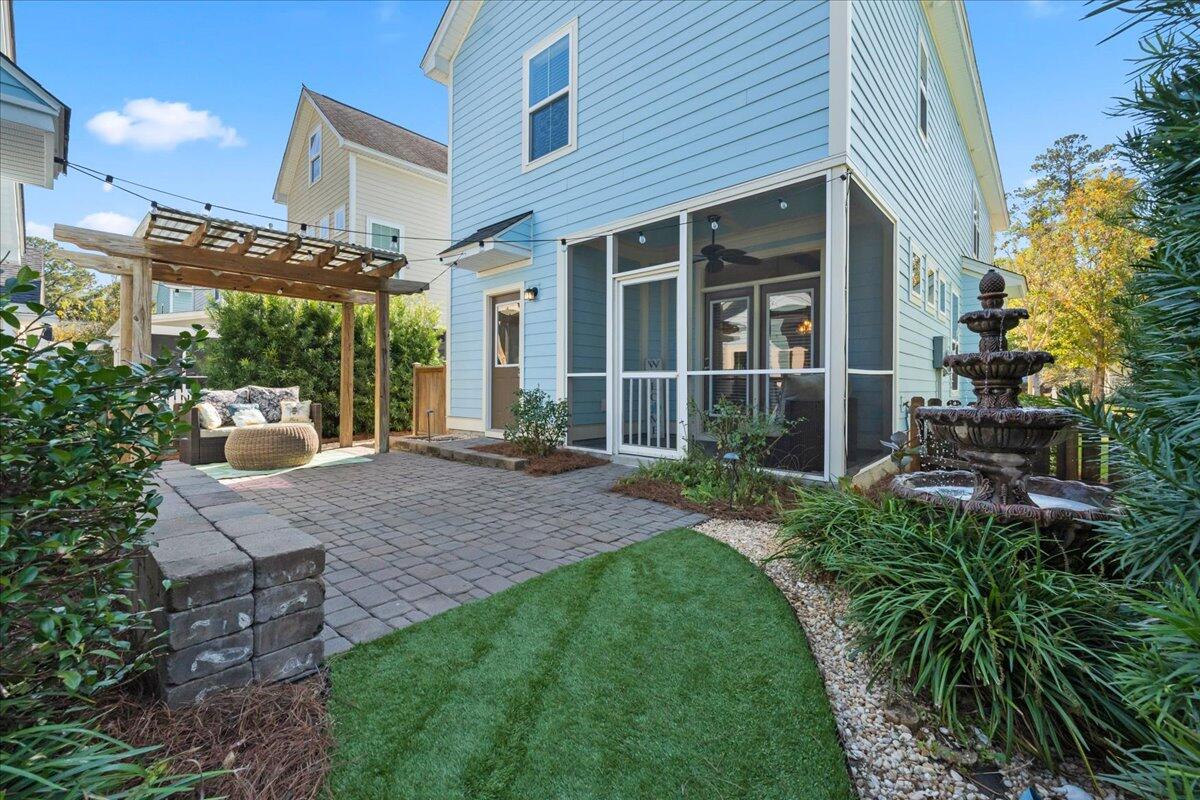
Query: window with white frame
[916, 276]
[931, 284]
[923, 90]
[323, 228]
[339, 219]
[943, 296]
[314, 155]
[976, 230]
[549, 115]
[386, 235]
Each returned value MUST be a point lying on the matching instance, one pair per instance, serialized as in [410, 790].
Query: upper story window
[548, 126]
[386, 235]
[916, 276]
[923, 90]
[976, 230]
[314, 155]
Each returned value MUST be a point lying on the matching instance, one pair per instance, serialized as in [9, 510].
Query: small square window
[386, 236]
[931, 282]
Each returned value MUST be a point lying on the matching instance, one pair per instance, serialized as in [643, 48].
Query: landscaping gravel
[893, 747]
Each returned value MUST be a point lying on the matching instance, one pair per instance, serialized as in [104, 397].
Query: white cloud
[151, 124]
[38, 229]
[1042, 8]
[110, 222]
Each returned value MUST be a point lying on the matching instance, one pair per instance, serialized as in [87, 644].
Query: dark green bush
[967, 614]
[276, 341]
[539, 423]
[79, 440]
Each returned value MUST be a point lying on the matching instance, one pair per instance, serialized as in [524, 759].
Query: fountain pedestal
[997, 437]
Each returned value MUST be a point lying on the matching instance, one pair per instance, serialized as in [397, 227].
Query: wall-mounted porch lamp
[531, 293]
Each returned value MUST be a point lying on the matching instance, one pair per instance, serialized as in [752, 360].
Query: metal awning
[499, 244]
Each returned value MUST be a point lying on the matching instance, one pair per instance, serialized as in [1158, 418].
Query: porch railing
[648, 410]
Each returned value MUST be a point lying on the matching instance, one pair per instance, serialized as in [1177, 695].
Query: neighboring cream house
[34, 127]
[347, 170]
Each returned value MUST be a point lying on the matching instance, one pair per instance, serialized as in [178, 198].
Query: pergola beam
[189, 276]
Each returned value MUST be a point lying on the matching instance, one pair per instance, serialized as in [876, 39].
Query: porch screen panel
[755, 318]
[870, 322]
[587, 344]
[651, 245]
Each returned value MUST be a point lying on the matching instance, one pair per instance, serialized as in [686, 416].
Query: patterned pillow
[220, 399]
[268, 400]
[248, 415]
[295, 411]
[209, 417]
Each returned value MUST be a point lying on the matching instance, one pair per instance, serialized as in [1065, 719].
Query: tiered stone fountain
[996, 436]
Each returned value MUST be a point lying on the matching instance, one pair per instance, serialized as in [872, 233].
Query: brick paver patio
[409, 536]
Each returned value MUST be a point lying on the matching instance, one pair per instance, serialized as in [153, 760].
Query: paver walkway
[408, 536]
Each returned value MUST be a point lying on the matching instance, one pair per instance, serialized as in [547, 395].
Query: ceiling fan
[716, 256]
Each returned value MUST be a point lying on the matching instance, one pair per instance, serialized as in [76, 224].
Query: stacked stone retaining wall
[237, 592]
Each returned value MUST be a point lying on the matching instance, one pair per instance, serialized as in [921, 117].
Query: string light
[782, 204]
[641, 237]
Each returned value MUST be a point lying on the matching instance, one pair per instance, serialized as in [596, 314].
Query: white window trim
[341, 226]
[380, 221]
[570, 29]
[923, 87]
[316, 131]
[931, 279]
[917, 256]
[323, 227]
[976, 224]
[943, 293]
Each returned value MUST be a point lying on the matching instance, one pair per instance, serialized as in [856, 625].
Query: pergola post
[142, 291]
[346, 389]
[125, 339]
[383, 361]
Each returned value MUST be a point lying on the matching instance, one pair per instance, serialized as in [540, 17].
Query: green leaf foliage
[539, 423]
[276, 341]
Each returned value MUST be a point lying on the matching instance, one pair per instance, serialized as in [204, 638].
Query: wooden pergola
[195, 250]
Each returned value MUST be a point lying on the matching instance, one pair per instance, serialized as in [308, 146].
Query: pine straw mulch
[556, 463]
[671, 493]
[274, 739]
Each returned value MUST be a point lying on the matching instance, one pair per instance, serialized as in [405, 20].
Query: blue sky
[238, 67]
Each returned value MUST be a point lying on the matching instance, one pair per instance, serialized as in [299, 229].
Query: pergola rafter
[194, 250]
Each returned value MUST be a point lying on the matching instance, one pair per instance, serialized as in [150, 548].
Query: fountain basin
[1054, 501]
[1003, 365]
[1001, 430]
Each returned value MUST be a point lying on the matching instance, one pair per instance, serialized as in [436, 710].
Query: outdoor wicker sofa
[203, 446]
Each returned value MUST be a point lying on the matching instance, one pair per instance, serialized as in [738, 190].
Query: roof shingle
[378, 134]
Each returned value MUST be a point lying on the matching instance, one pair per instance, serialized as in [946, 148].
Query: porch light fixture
[531, 293]
[782, 204]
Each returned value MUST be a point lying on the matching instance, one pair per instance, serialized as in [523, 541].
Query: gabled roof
[359, 130]
[451, 31]
[51, 104]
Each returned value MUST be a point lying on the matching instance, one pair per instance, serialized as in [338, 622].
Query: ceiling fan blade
[714, 265]
[740, 258]
[711, 250]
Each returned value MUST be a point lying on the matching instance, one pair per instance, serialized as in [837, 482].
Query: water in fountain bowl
[1054, 500]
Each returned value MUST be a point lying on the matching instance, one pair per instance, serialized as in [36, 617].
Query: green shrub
[277, 341]
[967, 614]
[79, 440]
[539, 423]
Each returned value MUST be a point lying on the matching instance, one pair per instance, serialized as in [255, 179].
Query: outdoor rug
[326, 458]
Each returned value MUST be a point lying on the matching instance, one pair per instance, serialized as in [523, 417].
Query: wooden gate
[429, 400]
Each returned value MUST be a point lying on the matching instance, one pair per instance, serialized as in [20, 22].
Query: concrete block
[284, 631]
[183, 524]
[187, 628]
[290, 662]
[282, 556]
[288, 598]
[206, 659]
[198, 581]
[252, 524]
[205, 494]
[242, 508]
[194, 544]
[194, 691]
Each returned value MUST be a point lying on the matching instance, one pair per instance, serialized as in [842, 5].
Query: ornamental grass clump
[78, 442]
[968, 615]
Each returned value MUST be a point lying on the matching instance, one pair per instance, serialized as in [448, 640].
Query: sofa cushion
[268, 399]
[295, 410]
[221, 399]
[208, 416]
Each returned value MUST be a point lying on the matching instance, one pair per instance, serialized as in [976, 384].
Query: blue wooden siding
[927, 184]
[675, 99]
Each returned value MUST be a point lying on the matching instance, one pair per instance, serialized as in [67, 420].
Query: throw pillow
[268, 399]
[245, 417]
[295, 410]
[209, 417]
[221, 399]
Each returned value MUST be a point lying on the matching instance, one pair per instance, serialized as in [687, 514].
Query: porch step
[460, 450]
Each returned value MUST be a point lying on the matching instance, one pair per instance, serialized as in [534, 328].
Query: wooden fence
[1079, 457]
[429, 400]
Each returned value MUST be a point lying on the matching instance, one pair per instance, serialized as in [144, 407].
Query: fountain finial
[991, 289]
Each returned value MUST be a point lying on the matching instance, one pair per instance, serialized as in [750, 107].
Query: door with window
[649, 385]
[505, 368]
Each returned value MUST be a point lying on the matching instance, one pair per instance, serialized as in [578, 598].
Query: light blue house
[662, 204]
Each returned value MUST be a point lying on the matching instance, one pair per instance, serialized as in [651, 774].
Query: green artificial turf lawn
[671, 668]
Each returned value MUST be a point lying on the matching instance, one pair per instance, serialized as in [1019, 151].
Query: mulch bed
[275, 739]
[556, 463]
[671, 494]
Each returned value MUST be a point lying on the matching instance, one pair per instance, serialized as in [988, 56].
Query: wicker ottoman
[287, 444]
